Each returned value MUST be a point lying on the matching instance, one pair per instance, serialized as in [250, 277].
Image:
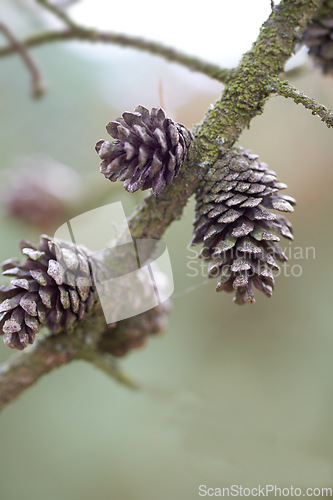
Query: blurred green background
[230, 395]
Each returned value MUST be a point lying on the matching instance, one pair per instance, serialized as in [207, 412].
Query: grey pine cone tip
[52, 287]
[148, 151]
[237, 231]
[318, 37]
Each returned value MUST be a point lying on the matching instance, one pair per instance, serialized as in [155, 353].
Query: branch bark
[157, 49]
[20, 48]
[286, 90]
[248, 87]
[52, 351]
[58, 12]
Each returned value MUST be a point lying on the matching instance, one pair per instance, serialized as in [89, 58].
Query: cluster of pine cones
[234, 222]
[54, 285]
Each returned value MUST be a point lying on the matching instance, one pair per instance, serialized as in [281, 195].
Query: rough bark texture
[90, 341]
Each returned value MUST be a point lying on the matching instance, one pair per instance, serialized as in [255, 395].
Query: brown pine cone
[148, 151]
[52, 287]
[237, 230]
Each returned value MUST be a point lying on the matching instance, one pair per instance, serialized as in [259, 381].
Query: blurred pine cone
[51, 287]
[39, 191]
[318, 37]
[235, 227]
[148, 152]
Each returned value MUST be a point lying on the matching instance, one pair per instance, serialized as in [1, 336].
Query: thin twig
[109, 365]
[38, 88]
[170, 54]
[126, 41]
[65, 3]
[285, 89]
[58, 12]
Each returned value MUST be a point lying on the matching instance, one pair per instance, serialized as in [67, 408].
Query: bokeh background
[230, 395]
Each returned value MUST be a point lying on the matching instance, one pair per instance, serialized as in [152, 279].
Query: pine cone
[148, 152]
[38, 192]
[52, 287]
[318, 37]
[235, 227]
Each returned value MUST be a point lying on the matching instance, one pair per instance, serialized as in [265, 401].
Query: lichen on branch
[285, 89]
[247, 89]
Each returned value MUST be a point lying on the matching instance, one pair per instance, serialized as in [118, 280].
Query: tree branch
[170, 54]
[248, 88]
[58, 12]
[286, 90]
[47, 353]
[17, 47]
[109, 365]
[252, 82]
[65, 3]
[90, 340]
